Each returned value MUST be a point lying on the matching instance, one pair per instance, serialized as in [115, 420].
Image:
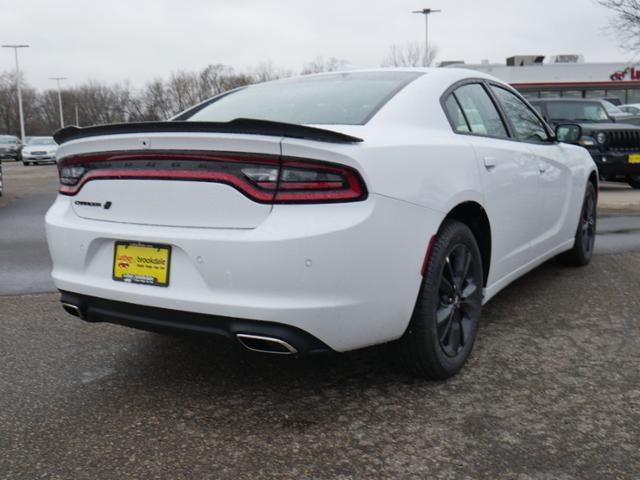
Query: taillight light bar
[263, 178]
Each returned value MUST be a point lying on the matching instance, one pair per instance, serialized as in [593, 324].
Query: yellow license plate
[634, 158]
[143, 263]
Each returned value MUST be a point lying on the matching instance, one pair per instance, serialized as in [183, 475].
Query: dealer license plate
[143, 263]
[634, 158]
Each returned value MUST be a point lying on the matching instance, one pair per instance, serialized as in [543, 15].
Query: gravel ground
[552, 391]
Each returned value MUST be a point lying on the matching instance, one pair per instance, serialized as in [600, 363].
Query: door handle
[489, 162]
[543, 167]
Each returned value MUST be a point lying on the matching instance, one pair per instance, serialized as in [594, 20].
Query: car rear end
[263, 232]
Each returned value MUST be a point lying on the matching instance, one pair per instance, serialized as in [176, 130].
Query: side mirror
[568, 133]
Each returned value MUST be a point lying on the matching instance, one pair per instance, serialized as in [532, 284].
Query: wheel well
[593, 178]
[473, 216]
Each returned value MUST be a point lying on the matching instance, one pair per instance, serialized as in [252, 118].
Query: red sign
[621, 75]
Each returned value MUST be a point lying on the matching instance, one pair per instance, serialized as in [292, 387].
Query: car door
[554, 174]
[508, 172]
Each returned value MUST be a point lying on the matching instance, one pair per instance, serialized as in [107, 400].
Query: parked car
[613, 100]
[10, 147]
[321, 213]
[632, 108]
[618, 114]
[39, 150]
[614, 146]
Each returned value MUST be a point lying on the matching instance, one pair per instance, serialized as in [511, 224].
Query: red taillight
[262, 178]
[303, 181]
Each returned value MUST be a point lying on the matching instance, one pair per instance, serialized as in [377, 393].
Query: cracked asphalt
[552, 391]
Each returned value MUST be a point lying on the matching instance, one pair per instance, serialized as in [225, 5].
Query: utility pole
[58, 79]
[426, 12]
[15, 51]
[77, 121]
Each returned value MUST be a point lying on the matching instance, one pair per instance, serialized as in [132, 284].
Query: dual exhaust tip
[255, 343]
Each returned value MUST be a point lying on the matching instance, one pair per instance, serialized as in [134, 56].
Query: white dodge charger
[321, 213]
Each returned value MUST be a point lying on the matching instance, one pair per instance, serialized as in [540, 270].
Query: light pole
[58, 79]
[426, 12]
[15, 50]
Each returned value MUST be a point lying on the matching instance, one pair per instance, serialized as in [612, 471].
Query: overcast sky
[138, 40]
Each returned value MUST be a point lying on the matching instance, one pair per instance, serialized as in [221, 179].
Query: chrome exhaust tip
[257, 343]
[72, 309]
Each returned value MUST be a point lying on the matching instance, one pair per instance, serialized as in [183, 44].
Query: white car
[321, 213]
[631, 108]
[39, 150]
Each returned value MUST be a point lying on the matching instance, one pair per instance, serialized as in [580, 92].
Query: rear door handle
[489, 162]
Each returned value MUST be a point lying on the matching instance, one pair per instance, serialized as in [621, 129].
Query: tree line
[97, 102]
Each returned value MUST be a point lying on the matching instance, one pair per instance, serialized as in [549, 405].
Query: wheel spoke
[462, 259]
[445, 333]
[443, 314]
[454, 335]
[465, 331]
[469, 290]
[446, 287]
[449, 269]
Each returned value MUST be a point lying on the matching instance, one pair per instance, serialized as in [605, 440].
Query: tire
[582, 251]
[634, 181]
[446, 316]
[26, 164]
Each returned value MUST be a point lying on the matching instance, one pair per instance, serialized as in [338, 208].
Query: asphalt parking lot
[552, 390]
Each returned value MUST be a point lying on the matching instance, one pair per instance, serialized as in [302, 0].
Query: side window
[526, 124]
[480, 111]
[456, 116]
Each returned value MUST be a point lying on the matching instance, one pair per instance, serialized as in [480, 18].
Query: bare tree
[626, 22]
[319, 65]
[100, 103]
[411, 54]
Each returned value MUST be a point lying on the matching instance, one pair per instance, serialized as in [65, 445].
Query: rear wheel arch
[475, 217]
[593, 178]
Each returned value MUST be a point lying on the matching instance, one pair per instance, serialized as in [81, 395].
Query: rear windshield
[339, 99]
[577, 111]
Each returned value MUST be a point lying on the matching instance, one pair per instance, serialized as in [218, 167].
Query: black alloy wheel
[447, 313]
[585, 237]
[460, 303]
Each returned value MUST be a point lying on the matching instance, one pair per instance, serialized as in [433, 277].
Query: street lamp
[426, 12]
[58, 79]
[15, 50]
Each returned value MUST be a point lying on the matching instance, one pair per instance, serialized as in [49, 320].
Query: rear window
[339, 99]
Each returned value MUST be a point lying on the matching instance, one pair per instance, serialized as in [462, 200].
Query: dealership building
[565, 76]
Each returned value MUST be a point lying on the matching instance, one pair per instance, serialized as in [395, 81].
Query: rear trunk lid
[161, 179]
[197, 174]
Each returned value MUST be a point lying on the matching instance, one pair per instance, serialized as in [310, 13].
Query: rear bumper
[92, 309]
[347, 274]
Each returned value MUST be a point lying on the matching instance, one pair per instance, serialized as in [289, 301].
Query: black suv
[10, 147]
[612, 141]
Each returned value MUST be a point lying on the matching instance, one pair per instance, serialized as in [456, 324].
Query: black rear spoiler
[239, 125]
